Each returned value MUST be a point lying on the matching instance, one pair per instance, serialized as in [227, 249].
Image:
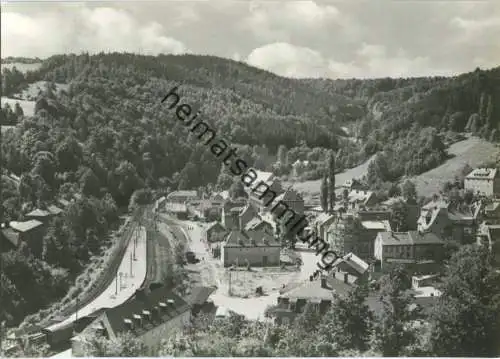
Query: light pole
[131, 261]
[121, 274]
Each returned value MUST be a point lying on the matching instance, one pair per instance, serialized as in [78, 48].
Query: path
[108, 298]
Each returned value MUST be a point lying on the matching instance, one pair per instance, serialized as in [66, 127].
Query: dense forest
[108, 135]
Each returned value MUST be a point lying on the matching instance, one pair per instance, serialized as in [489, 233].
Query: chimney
[137, 319]
[128, 323]
[323, 282]
[346, 278]
[146, 314]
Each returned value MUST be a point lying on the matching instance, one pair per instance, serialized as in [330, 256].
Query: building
[359, 199]
[246, 215]
[182, 197]
[423, 285]
[411, 245]
[30, 232]
[255, 248]
[41, 215]
[352, 184]
[230, 213]
[318, 293]
[197, 299]
[322, 223]
[356, 232]
[483, 181]
[264, 191]
[178, 210]
[150, 317]
[220, 196]
[412, 214]
[207, 209]
[9, 239]
[488, 235]
[215, 233]
[457, 223]
[292, 199]
[259, 224]
[357, 270]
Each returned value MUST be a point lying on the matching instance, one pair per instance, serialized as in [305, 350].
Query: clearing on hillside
[473, 151]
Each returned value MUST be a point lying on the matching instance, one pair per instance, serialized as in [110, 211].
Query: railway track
[100, 285]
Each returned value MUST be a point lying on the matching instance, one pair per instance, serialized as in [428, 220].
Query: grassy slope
[311, 188]
[473, 151]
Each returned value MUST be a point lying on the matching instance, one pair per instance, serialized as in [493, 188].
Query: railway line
[57, 336]
[48, 332]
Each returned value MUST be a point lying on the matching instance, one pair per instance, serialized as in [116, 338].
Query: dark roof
[117, 315]
[11, 236]
[199, 295]
[252, 238]
[409, 238]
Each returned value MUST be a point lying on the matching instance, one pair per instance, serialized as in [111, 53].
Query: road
[254, 307]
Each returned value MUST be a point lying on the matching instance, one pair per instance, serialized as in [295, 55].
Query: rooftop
[39, 213]
[251, 238]
[409, 238]
[162, 301]
[314, 292]
[182, 194]
[25, 226]
[482, 173]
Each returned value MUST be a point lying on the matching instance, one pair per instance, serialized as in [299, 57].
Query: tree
[237, 190]
[466, 321]
[348, 322]
[331, 178]
[399, 216]
[89, 184]
[409, 191]
[324, 194]
[393, 329]
[282, 155]
[124, 345]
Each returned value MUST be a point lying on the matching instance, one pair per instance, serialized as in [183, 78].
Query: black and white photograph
[250, 178]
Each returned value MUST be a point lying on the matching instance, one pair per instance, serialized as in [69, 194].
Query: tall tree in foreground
[348, 322]
[331, 177]
[466, 322]
[324, 194]
[393, 330]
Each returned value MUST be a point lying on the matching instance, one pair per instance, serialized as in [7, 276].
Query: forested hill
[111, 126]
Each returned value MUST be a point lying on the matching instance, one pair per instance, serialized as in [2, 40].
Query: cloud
[288, 60]
[370, 61]
[277, 21]
[76, 29]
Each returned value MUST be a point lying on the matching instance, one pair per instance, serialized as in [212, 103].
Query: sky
[331, 39]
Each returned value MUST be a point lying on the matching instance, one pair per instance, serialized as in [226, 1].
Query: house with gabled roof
[30, 232]
[357, 270]
[246, 215]
[255, 248]
[321, 224]
[215, 233]
[263, 191]
[150, 317]
[259, 224]
[292, 199]
[319, 293]
[450, 222]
